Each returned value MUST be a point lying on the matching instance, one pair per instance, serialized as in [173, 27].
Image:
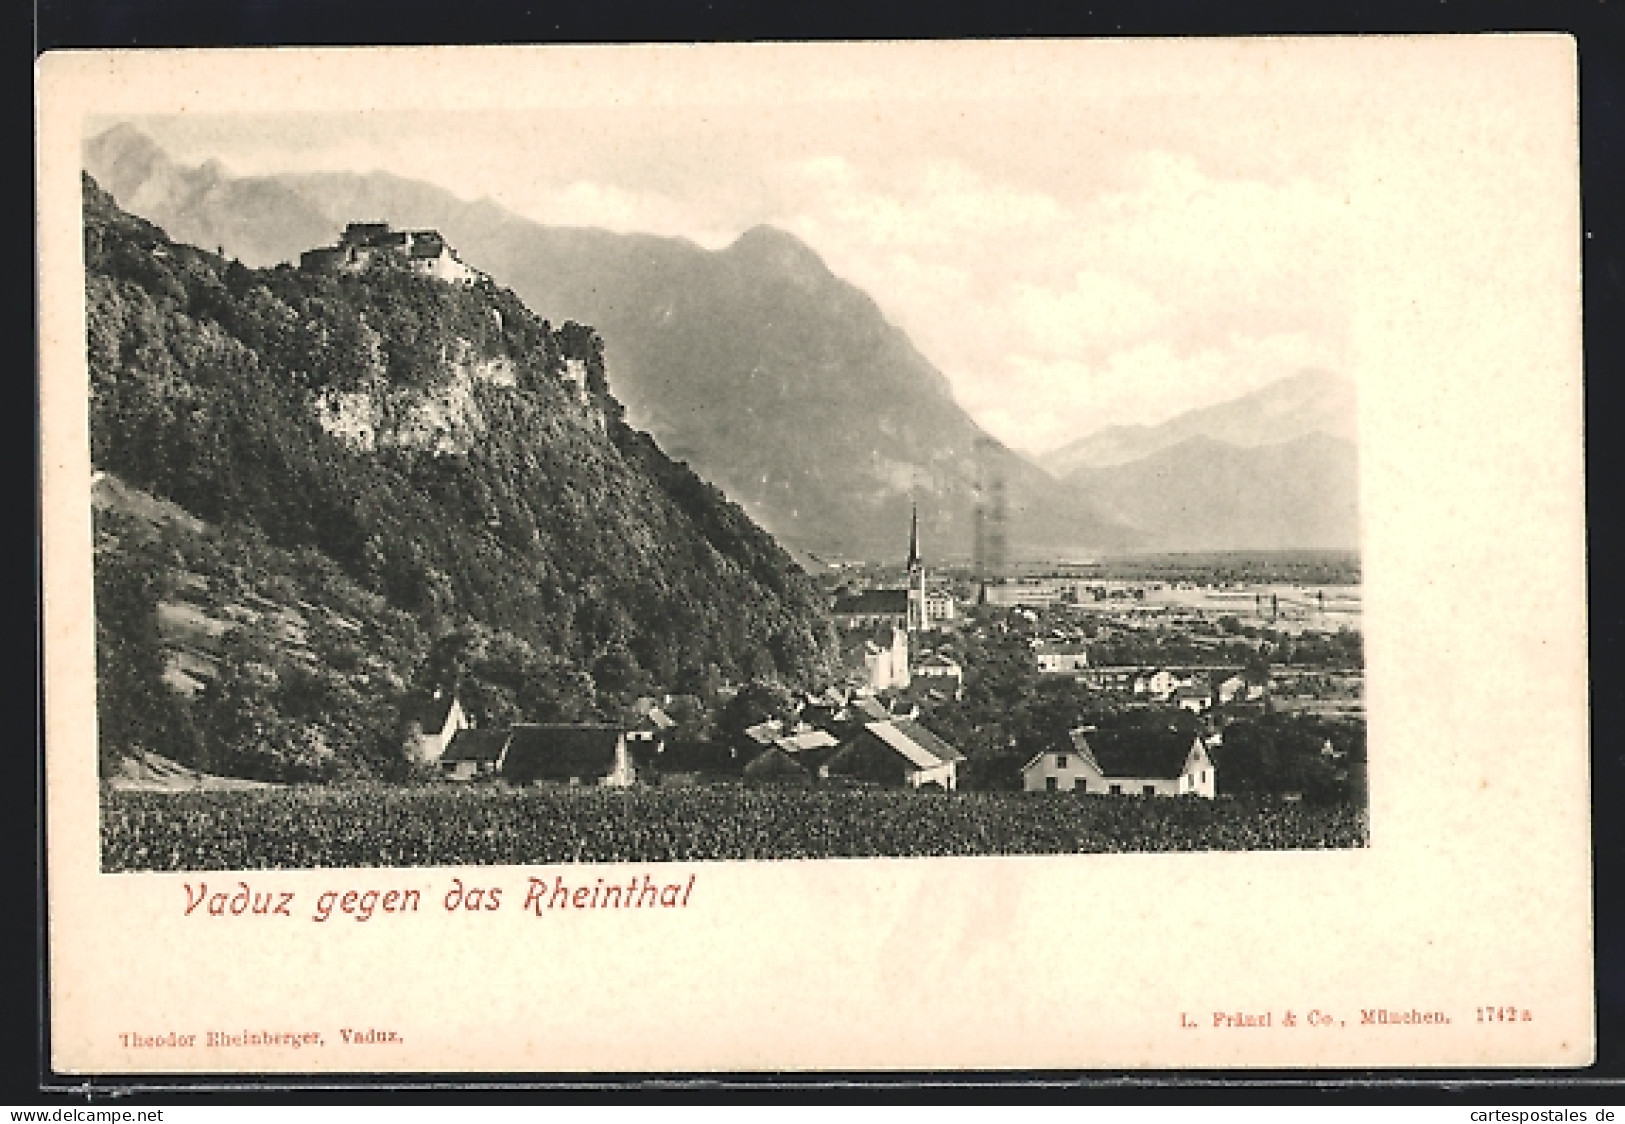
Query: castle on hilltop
[364, 244]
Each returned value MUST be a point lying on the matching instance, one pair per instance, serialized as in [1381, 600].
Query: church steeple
[914, 538]
[916, 574]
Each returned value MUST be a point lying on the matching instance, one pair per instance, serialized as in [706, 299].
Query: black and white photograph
[920, 531]
[791, 482]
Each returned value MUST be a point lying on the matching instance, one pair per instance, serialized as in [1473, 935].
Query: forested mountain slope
[426, 485]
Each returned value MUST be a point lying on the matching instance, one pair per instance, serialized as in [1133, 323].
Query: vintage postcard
[868, 556]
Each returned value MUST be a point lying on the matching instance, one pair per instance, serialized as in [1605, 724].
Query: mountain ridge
[756, 365]
[771, 376]
[1306, 402]
[1207, 494]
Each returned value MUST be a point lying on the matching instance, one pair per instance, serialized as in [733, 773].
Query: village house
[941, 669]
[775, 765]
[823, 708]
[1110, 678]
[569, 755]
[1061, 657]
[681, 764]
[1197, 698]
[432, 723]
[1236, 688]
[473, 753]
[365, 244]
[532, 753]
[1142, 762]
[939, 608]
[804, 741]
[895, 753]
[1162, 683]
[762, 735]
[652, 728]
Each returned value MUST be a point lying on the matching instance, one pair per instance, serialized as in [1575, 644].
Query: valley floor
[381, 826]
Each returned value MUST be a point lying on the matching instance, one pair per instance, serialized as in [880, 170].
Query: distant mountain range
[770, 376]
[1309, 402]
[1203, 494]
[1271, 470]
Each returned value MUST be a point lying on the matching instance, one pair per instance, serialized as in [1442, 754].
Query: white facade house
[943, 672]
[1197, 698]
[433, 724]
[1061, 657]
[1034, 593]
[1161, 684]
[1126, 763]
[1237, 689]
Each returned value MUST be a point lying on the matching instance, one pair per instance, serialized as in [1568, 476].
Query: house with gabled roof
[1196, 698]
[762, 733]
[824, 707]
[535, 753]
[1161, 683]
[1061, 657]
[682, 763]
[941, 669]
[568, 755]
[473, 753]
[777, 766]
[897, 753]
[1158, 761]
[803, 741]
[652, 728]
[431, 724]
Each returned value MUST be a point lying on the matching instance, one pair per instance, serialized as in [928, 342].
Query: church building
[909, 608]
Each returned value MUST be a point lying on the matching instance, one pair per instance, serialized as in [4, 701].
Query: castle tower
[916, 575]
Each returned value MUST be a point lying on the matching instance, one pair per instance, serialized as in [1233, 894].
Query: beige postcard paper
[1144, 627]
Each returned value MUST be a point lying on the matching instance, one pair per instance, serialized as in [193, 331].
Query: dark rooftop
[1138, 753]
[558, 753]
[928, 741]
[871, 601]
[476, 745]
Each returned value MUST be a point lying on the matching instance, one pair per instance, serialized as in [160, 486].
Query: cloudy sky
[1068, 262]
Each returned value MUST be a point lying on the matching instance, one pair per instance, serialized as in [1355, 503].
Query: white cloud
[585, 203]
[1052, 318]
[1099, 309]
